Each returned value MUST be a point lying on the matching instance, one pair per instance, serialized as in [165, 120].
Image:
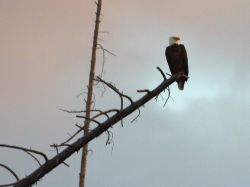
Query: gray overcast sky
[200, 139]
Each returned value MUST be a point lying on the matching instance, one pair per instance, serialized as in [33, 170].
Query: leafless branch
[168, 74]
[121, 95]
[143, 91]
[12, 172]
[110, 137]
[103, 62]
[28, 151]
[105, 113]
[90, 119]
[104, 126]
[162, 73]
[104, 49]
[72, 111]
[34, 158]
[168, 89]
[11, 184]
[156, 97]
[139, 113]
[114, 89]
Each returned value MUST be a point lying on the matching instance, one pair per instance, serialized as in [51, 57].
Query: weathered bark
[77, 145]
[90, 94]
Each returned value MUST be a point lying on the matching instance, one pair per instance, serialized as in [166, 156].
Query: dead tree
[90, 95]
[89, 100]
[89, 134]
[71, 148]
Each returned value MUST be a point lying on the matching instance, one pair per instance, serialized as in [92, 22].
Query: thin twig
[121, 95]
[139, 113]
[10, 170]
[168, 74]
[143, 91]
[90, 119]
[25, 150]
[162, 73]
[81, 128]
[113, 88]
[104, 49]
[34, 158]
[72, 111]
[168, 89]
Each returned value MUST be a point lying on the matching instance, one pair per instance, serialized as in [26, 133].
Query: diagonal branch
[77, 145]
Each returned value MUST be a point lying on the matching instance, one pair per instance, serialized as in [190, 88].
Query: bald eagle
[176, 56]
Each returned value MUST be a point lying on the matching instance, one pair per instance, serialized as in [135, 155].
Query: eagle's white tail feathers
[181, 85]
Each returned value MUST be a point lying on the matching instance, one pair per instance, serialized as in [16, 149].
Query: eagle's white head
[174, 40]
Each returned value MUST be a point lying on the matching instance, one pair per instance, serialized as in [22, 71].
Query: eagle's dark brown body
[176, 56]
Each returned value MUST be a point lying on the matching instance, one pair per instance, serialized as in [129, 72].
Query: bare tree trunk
[90, 94]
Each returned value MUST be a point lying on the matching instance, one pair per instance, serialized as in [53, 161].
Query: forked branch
[104, 126]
